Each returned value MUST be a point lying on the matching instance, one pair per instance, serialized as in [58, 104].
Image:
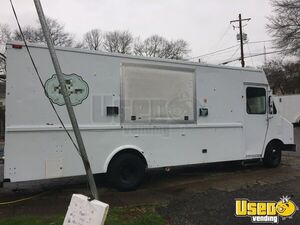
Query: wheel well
[275, 142]
[128, 151]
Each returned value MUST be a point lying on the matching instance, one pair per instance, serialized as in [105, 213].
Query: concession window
[158, 94]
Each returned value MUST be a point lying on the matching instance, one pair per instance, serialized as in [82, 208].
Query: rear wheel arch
[126, 169]
[132, 151]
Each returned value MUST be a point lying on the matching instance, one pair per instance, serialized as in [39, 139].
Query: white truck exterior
[135, 113]
[289, 107]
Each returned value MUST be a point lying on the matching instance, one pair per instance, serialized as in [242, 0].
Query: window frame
[152, 121]
[265, 108]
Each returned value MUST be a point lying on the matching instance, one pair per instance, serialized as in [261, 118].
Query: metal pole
[65, 94]
[265, 53]
[241, 37]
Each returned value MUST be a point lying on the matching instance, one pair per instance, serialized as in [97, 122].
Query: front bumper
[289, 148]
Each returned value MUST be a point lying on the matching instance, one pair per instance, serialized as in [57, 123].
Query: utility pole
[67, 100]
[265, 53]
[240, 20]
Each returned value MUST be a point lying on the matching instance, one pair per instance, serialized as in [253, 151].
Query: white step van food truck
[135, 113]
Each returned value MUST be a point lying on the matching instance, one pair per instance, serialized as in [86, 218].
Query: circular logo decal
[76, 86]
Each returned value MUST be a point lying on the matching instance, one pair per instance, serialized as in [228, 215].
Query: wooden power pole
[241, 36]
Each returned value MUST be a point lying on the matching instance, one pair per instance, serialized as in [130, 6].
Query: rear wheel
[272, 156]
[126, 172]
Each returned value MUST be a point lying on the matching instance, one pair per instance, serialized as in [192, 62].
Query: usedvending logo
[77, 87]
[266, 211]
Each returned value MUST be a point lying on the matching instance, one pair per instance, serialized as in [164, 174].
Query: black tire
[272, 156]
[126, 172]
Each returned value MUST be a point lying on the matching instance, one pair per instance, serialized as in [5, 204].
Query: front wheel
[272, 156]
[126, 172]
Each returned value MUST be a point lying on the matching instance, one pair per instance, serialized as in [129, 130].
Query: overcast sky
[204, 24]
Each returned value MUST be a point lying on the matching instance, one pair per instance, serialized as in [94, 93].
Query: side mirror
[270, 103]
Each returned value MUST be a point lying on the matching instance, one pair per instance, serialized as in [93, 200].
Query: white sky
[202, 23]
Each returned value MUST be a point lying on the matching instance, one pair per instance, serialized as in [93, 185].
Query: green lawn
[29, 220]
[116, 216]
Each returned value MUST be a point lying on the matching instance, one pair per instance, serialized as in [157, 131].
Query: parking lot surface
[193, 195]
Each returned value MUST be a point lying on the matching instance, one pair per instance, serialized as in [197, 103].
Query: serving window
[153, 94]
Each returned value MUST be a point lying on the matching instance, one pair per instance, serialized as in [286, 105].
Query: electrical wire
[48, 190]
[250, 53]
[2, 55]
[267, 53]
[222, 37]
[221, 50]
[212, 53]
[234, 53]
[23, 199]
[40, 79]
[254, 55]
[255, 42]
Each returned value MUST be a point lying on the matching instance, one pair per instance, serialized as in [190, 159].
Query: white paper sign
[81, 211]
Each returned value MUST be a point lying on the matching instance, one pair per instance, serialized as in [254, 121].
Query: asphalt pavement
[217, 207]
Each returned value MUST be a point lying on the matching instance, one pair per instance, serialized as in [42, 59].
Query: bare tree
[5, 33]
[58, 34]
[138, 46]
[176, 49]
[153, 46]
[93, 39]
[118, 41]
[30, 34]
[285, 25]
[283, 77]
[157, 46]
[79, 44]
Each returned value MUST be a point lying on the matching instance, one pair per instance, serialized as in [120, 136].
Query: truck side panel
[37, 148]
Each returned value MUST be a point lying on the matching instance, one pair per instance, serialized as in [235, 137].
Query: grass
[116, 216]
[30, 220]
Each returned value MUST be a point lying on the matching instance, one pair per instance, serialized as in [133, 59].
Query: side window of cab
[256, 100]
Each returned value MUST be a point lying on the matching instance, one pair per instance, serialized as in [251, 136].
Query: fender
[119, 149]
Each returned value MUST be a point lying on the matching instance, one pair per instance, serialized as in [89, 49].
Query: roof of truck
[94, 52]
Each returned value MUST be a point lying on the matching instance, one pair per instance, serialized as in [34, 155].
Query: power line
[2, 55]
[223, 36]
[212, 53]
[250, 53]
[263, 41]
[224, 49]
[234, 53]
[254, 55]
